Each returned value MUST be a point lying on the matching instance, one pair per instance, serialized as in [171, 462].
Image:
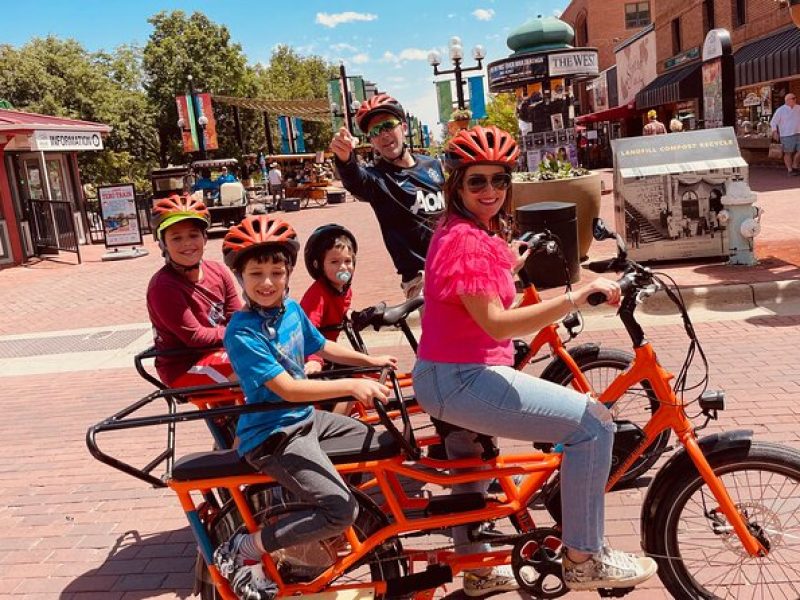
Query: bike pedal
[614, 592]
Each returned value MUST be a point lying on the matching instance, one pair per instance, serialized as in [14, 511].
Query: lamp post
[456, 52]
[200, 122]
[350, 105]
[410, 124]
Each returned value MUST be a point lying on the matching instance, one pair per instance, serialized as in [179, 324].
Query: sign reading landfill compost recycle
[118, 211]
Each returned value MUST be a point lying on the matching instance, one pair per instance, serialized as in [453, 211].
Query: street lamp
[456, 52]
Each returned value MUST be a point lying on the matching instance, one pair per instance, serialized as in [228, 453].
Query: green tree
[59, 77]
[180, 46]
[289, 76]
[501, 111]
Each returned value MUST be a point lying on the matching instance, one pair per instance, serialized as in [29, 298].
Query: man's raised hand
[343, 143]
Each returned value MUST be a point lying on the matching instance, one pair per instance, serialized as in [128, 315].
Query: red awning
[17, 121]
[623, 111]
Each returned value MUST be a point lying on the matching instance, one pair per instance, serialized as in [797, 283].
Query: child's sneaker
[501, 579]
[248, 581]
[608, 569]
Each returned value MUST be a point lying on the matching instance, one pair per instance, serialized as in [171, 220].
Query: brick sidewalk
[75, 529]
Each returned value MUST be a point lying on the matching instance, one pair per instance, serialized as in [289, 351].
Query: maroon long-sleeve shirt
[189, 315]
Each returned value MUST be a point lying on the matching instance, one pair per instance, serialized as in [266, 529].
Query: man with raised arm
[403, 189]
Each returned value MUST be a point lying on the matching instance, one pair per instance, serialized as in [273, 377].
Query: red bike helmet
[177, 208]
[381, 103]
[319, 242]
[255, 231]
[481, 146]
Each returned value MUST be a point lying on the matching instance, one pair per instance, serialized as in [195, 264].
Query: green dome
[542, 33]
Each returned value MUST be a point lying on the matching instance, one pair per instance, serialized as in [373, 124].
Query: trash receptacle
[336, 197]
[547, 270]
[290, 204]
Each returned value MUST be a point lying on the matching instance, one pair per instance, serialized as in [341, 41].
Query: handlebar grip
[596, 298]
[625, 283]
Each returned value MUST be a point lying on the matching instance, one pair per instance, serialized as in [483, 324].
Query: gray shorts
[791, 143]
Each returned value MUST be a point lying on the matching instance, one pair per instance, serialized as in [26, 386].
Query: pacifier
[344, 276]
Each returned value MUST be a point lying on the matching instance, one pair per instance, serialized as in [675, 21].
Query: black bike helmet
[320, 242]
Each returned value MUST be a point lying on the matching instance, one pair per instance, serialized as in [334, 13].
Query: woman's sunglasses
[381, 127]
[499, 181]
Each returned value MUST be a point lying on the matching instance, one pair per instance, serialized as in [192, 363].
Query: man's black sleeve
[356, 179]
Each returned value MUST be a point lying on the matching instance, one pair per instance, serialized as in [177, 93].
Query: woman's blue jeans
[500, 401]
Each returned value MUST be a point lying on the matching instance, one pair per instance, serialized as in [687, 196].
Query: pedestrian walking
[785, 125]
[275, 181]
[654, 126]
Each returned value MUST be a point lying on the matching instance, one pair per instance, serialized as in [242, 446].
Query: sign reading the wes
[576, 62]
[66, 141]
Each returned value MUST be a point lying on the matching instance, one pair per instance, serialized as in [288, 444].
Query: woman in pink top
[464, 373]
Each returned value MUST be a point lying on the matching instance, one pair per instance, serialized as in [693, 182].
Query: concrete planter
[583, 191]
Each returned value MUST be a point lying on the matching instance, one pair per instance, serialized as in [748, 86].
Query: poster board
[120, 217]
[668, 192]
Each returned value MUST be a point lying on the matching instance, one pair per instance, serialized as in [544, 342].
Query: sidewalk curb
[726, 296]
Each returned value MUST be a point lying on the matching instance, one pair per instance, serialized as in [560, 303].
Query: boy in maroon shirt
[189, 300]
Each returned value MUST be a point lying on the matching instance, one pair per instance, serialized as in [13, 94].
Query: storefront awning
[308, 110]
[774, 57]
[623, 111]
[17, 121]
[673, 86]
[684, 167]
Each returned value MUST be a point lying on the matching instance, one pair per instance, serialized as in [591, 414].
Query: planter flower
[459, 119]
[559, 181]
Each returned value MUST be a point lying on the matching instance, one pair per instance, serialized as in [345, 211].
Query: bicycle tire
[592, 360]
[688, 579]
[384, 562]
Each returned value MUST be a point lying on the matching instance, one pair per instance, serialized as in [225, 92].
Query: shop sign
[682, 58]
[717, 43]
[119, 214]
[752, 99]
[66, 141]
[514, 72]
[576, 62]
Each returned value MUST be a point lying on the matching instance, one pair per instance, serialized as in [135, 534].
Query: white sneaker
[249, 582]
[501, 579]
[608, 569]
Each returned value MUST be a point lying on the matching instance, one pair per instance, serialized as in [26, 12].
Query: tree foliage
[180, 46]
[59, 77]
[501, 111]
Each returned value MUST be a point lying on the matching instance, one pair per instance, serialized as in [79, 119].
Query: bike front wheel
[698, 553]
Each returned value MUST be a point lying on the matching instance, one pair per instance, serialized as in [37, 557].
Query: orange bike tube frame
[537, 466]
[671, 415]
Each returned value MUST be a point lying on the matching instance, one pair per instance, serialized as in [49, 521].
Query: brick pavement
[73, 528]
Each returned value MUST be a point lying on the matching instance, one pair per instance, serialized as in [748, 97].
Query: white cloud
[343, 46]
[360, 58]
[451, 15]
[405, 55]
[483, 14]
[334, 19]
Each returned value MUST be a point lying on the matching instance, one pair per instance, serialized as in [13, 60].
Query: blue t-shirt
[257, 359]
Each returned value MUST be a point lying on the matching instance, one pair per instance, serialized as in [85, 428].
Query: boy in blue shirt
[267, 343]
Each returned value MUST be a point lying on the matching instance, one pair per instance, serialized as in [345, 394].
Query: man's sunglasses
[499, 181]
[381, 127]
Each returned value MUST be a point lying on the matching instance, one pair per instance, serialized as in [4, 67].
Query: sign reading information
[66, 141]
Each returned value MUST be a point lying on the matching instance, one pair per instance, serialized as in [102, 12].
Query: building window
[708, 15]
[739, 13]
[676, 35]
[582, 31]
[637, 14]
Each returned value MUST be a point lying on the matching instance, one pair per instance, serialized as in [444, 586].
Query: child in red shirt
[330, 257]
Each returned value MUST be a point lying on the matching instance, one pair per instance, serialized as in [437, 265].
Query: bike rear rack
[124, 419]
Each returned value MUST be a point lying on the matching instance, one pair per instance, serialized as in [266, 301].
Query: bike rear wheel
[303, 562]
[706, 557]
[601, 366]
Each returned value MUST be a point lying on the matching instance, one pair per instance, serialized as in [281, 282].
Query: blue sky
[386, 42]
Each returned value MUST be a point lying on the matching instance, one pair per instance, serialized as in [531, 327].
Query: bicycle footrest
[432, 577]
[614, 592]
[455, 503]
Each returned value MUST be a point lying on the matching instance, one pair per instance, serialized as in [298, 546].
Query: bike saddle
[382, 316]
[341, 450]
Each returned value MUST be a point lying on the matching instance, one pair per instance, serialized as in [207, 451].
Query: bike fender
[676, 466]
[557, 364]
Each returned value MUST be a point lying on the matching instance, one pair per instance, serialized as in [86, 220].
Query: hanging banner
[477, 99]
[119, 215]
[189, 112]
[300, 143]
[426, 136]
[444, 96]
[285, 128]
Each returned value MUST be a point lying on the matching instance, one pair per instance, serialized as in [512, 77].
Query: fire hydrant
[743, 220]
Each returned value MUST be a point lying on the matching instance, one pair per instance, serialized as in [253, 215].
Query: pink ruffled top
[463, 260]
